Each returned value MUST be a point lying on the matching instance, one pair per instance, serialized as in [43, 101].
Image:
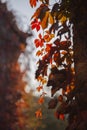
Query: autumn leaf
[44, 22]
[44, 81]
[40, 78]
[48, 37]
[38, 113]
[41, 100]
[39, 88]
[51, 20]
[33, 3]
[39, 42]
[48, 47]
[37, 12]
[43, 9]
[63, 19]
[61, 116]
[38, 53]
[35, 25]
[63, 52]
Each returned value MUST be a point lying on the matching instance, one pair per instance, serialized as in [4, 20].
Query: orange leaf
[39, 88]
[48, 47]
[40, 78]
[63, 52]
[51, 21]
[41, 100]
[44, 22]
[38, 113]
[39, 53]
[61, 116]
[32, 3]
[44, 81]
[48, 37]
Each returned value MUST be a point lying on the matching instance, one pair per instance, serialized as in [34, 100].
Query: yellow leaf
[63, 19]
[39, 78]
[44, 21]
[44, 81]
[37, 12]
[51, 20]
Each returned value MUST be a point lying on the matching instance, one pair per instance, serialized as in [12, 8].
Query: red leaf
[48, 47]
[38, 27]
[39, 42]
[33, 3]
[35, 24]
[61, 116]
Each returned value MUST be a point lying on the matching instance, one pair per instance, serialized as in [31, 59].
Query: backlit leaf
[35, 25]
[51, 20]
[38, 113]
[38, 53]
[61, 116]
[44, 22]
[41, 100]
[33, 3]
[39, 88]
[48, 47]
[39, 42]
[63, 19]
[48, 37]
